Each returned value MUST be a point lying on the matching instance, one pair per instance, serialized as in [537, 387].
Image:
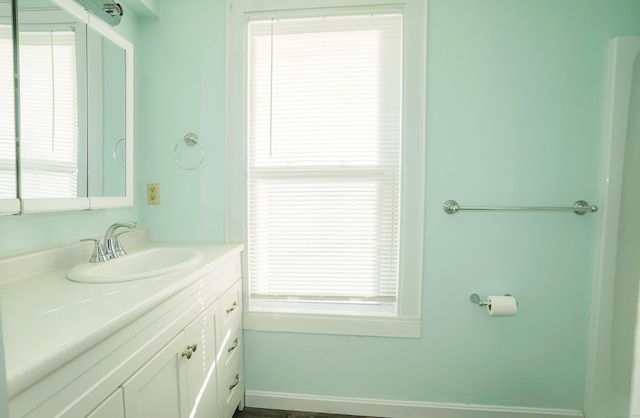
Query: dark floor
[272, 413]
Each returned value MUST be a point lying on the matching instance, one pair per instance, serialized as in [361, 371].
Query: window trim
[407, 322]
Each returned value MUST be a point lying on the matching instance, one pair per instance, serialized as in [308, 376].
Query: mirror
[8, 182]
[110, 70]
[75, 110]
[107, 116]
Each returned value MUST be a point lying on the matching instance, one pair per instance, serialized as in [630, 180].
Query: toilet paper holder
[476, 299]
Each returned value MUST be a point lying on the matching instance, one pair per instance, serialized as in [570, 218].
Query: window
[324, 129]
[330, 190]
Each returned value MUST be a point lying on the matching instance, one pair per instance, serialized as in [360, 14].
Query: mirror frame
[36, 205]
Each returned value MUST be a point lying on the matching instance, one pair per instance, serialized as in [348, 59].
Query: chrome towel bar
[580, 207]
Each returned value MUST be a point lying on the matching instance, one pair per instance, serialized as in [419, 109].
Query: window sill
[332, 324]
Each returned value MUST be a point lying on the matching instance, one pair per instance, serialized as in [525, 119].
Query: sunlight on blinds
[324, 146]
[7, 116]
[48, 114]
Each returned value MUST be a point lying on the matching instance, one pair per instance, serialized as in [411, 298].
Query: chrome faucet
[112, 246]
[98, 251]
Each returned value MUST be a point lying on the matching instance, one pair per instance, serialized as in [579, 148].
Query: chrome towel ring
[190, 140]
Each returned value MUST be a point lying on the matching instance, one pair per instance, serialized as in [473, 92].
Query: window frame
[407, 322]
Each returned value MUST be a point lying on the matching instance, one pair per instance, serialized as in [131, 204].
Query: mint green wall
[515, 106]
[181, 83]
[21, 233]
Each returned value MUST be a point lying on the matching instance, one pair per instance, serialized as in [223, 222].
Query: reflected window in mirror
[49, 114]
[52, 54]
[8, 186]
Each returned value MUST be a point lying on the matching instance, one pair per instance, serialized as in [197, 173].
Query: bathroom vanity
[164, 346]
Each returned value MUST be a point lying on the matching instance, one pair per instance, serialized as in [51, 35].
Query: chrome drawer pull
[233, 307]
[236, 382]
[234, 346]
[193, 347]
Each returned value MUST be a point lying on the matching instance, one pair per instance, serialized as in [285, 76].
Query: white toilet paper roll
[502, 305]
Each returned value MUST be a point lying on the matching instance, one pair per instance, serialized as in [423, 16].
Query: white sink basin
[137, 265]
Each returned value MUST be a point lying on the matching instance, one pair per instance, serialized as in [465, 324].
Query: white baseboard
[395, 409]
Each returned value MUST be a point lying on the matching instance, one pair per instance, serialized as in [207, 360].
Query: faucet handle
[98, 251]
[118, 249]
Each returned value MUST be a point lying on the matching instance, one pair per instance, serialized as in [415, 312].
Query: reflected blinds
[48, 114]
[7, 117]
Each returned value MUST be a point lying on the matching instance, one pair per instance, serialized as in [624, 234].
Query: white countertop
[47, 320]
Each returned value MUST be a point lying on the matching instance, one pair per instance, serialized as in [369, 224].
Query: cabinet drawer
[230, 307]
[231, 389]
[230, 348]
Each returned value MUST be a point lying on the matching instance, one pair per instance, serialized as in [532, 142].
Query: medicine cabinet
[66, 143]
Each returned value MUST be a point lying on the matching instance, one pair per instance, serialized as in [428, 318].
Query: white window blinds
[323, 158]
[7, 123]
[48, 114]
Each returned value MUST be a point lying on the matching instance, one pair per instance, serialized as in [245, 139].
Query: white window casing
[325, 173]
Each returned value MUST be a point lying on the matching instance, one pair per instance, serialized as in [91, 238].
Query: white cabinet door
[112, 407]
[159, 388]
[201, 367]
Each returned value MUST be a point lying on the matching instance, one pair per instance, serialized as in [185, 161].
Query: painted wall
[21, 233]
[515, 105]
[181, 85]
